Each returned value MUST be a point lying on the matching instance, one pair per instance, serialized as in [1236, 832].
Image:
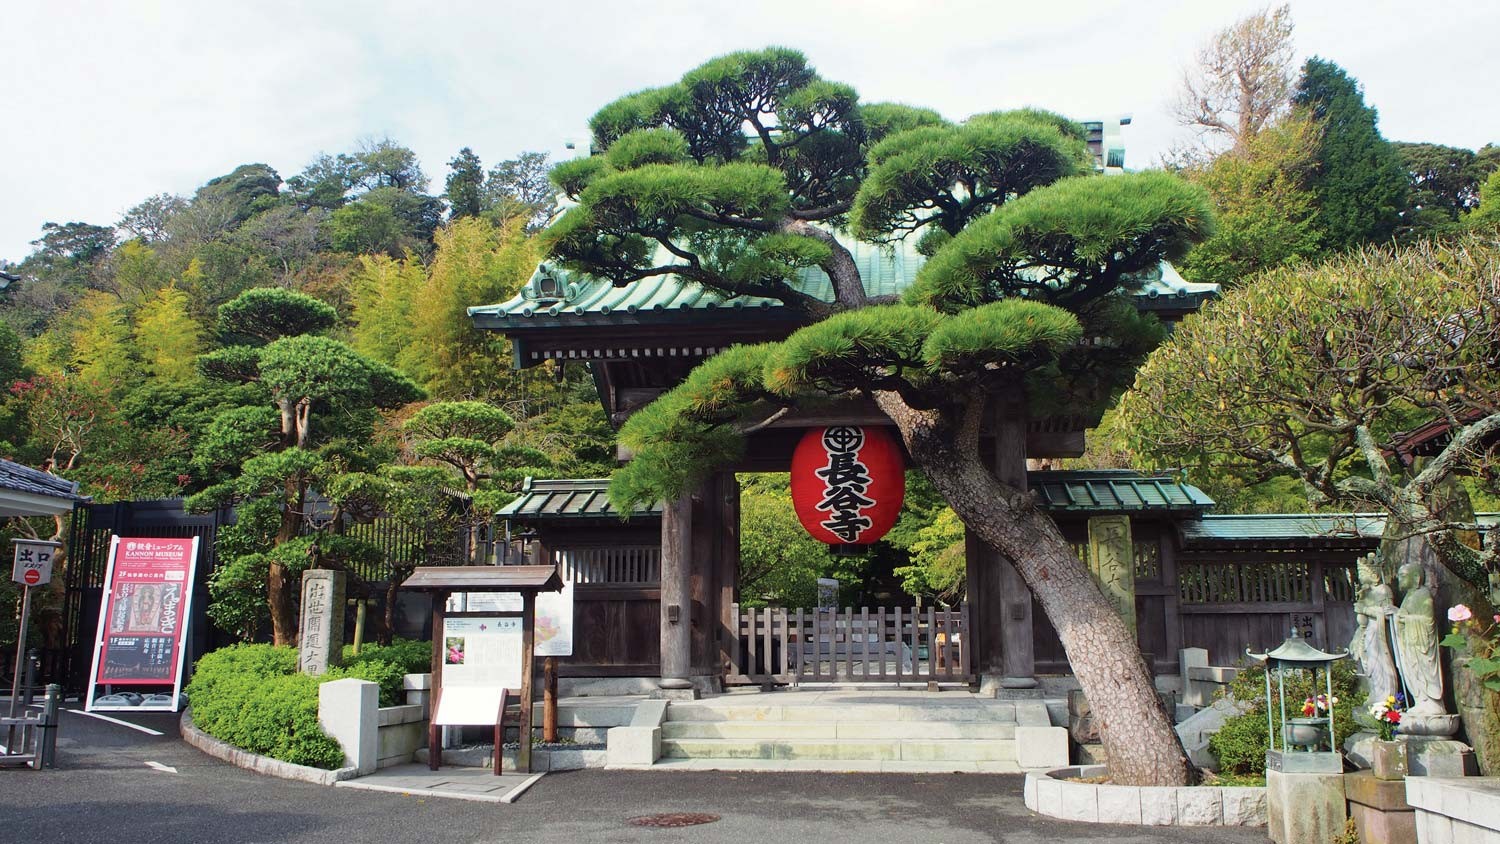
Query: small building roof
[1098, 492]
[568, 499]
[556, 297]
[485, 579]
[1284, 530]
[25, 491]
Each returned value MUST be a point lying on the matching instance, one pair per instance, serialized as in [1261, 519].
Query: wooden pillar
[728, 561]
[676, 593]
[1000, 603]
[528, 670]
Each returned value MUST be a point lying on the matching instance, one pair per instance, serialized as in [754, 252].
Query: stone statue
[1417, 657]
[1371, 646]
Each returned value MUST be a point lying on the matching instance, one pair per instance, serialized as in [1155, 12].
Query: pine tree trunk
[1138, 736]
[281, 588]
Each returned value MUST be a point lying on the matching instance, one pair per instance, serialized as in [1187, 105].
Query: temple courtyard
[118, 781]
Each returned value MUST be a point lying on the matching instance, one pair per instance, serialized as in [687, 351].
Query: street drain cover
[672, 820]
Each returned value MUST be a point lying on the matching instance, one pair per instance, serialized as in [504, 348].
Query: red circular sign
[848, 483]
[32, 577]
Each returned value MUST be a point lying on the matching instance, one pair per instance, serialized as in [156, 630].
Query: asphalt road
[104, 791]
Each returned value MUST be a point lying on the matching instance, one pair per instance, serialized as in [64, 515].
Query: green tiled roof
[1085, 493]
[1102, 491]
[1319, 528]
[575, 498]
[557, 297]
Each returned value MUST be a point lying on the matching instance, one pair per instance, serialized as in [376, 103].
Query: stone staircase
[859, 731]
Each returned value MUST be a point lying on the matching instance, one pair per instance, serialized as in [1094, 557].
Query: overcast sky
[105, 103]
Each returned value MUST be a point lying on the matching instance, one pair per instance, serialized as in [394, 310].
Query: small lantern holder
[1306, 733]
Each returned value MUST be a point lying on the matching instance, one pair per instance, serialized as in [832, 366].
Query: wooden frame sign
[481, 658]
[143, 619]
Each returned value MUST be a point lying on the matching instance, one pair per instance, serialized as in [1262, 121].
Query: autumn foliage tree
[738, 177]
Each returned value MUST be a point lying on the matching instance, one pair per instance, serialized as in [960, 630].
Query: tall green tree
[519, 188]
[167, 338]
[1266, 214]
[1442, 185]
[736, 177]
[1360, 182]
[465, 185]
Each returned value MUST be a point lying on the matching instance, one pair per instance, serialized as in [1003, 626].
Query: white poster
[554, 615]
[481, 658]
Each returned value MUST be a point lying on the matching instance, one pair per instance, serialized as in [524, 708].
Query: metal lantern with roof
[1307, 732]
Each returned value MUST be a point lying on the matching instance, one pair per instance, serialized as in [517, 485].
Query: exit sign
[33, 566]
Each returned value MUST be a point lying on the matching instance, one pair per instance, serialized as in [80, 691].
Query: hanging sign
[848, 483]
[33, 564]
[143, 618]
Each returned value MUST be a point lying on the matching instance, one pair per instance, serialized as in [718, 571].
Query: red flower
[1393, 716]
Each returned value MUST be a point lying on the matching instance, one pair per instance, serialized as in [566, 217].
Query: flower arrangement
[1318, 705]
[1385, 716]
[1480, 640]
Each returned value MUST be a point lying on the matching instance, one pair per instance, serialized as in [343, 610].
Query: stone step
[911, 750]
[1005, 712]
[789, 730]
[840, 766]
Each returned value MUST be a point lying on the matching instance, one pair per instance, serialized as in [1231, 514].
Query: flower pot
[1388, 760]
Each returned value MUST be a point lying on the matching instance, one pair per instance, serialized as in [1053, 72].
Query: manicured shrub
[252, 697]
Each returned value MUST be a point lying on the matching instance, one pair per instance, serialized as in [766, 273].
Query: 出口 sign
[33, 564]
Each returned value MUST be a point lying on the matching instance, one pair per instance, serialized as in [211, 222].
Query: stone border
[1049, 793]
[255, 762]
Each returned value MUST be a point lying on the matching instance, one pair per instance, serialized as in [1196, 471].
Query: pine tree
[1361, 181]
[465, 185]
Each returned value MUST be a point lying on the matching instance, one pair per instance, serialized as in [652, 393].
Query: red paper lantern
[848, 483]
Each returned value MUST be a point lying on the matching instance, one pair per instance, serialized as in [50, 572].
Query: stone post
[321, 635]
[1304, 808]
[1112, 562]
[349, 712]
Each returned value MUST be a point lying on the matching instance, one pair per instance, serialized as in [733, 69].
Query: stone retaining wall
[1050, 793]
[1455, 810]
[255, 762]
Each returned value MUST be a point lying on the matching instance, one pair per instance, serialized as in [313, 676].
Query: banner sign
[143, 616]
[481, 659]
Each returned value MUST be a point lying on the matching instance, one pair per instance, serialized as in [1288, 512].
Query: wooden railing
[881, 645]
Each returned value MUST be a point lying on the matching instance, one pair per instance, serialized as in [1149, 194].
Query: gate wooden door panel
[881, 645]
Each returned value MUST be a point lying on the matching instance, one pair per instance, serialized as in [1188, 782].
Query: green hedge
[252, 697]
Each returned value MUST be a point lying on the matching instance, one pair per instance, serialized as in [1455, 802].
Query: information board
[554, 615]
[143, 616]
[481, 659]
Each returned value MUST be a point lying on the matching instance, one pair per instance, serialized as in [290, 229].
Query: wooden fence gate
[881, 645]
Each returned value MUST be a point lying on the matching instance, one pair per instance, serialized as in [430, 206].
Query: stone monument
[1112, 562]
[321, 635]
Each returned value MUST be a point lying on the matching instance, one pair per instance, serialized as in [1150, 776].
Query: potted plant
[1388, 756]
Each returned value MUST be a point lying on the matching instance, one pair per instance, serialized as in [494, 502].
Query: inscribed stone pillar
[676, 593]
[321, 635]
[1112, 562]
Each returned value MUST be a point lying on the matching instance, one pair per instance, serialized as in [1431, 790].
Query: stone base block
[1456, 811]
[1303, 808]
[632, 747]
[1435, 757]
[1041, 747]
[1379, 809]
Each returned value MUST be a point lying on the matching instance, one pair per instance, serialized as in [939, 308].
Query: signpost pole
[15, 683]
[528, 646]
[549, 699]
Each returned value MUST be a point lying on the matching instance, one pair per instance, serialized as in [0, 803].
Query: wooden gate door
[881, 645]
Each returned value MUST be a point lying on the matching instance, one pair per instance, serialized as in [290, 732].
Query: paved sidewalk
[455, 783]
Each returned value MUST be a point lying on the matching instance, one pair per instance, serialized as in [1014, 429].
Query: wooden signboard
[480, 658]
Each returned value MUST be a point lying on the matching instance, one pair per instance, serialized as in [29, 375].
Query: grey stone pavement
[104, 791]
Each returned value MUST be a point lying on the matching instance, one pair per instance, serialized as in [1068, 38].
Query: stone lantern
[1297, 750]
[1305, 799]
